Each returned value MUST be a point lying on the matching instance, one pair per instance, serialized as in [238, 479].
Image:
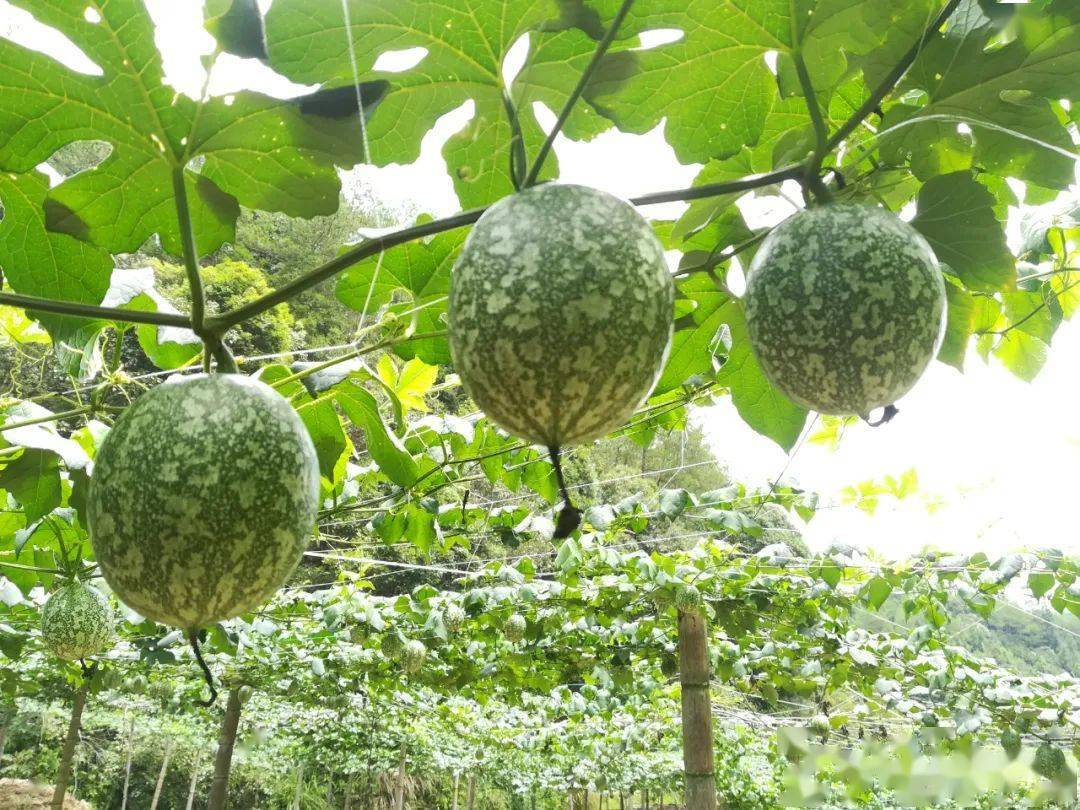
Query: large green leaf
[713, 85]
[956, 215]
[385, 448]
[37, 262]
[1008, 87]
[762, 406]
[467, 42]
[255, 150]
[695, 342]
[33, 479]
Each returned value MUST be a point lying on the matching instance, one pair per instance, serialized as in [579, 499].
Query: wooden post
[457, 777]
[67, 754]
[9, 719]
[470, 793]
[219, 788]
[161, 774]
[127, 765]
[696, 712]
[348, 793]
[299, 791]
[194, 784]
[400, 802]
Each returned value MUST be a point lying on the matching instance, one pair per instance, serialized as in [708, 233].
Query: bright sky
[1001, 454]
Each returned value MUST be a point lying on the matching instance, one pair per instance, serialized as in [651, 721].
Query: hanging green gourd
[845, 308]
[560, 316]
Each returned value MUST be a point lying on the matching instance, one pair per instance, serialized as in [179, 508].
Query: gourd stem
[812, 181]
[193, 639]
[191, 256]
[226, 363]
[569, 516]
[887, 414]
[518, 158]
[583, 81]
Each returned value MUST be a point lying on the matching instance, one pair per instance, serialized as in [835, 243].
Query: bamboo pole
[696, 712]
[161, 774]
[67, 754]
[194, 784]
[400, 802]
[219, 788]
[127, 764]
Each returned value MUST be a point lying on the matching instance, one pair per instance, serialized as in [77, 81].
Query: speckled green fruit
[77, 622]
[560, 313]
[845, 308]
[391, 645]
[202, 500]
[413, 655]
[514, 628]
[454, 618]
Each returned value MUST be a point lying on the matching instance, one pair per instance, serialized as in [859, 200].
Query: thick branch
[377, 244]
[891, 80]
[312, 278]
[92, 312]
[594, 63]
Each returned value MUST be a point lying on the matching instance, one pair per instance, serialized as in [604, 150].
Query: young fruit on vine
[514, 628]
[845, 308]
[454, 618]
[413, 655]
[77, 622]
[1049, 761]
[391, 646]
[560, 313]
[687, 597]
[203, 498]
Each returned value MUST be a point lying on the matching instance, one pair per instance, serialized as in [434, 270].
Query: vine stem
[52, 417]
[892, 78]
[35, 569]
[92, 312]
[371, 247]
[812, 179]
[579, 88]
[344, 358]
[191, 257]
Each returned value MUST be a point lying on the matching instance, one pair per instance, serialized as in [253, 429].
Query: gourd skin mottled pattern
[560, 313]
[845, 308]
[77, 622]
[203, 498]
